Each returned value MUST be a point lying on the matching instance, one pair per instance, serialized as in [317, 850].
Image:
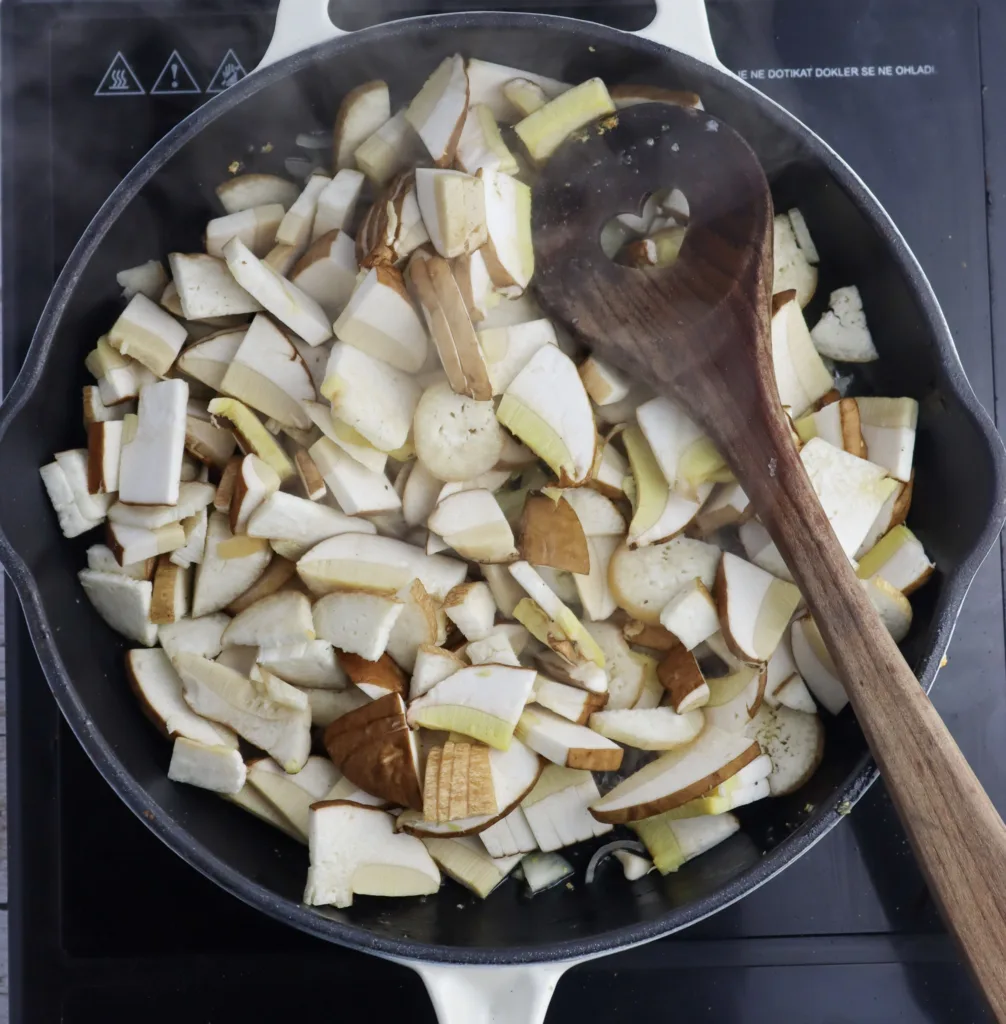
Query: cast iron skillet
[163, 204]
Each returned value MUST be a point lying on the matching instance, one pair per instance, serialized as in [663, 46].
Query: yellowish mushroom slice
[525, 95]
[888, 426]
[629, 94]
[547, 408]
[894, 609]
[251, 434]
[557, 809]
[467, 862]
[900, 559]
[677, 777]
[244, 191]
[481, 145]
[800, 374]
[816, 666]
[672, 843]
[838, 423]
[686, 456]
[219, 578]
[356, 489]
[356, 851]
[543, 131]
[747, 786]
[484, 702]
[389, 149]
[509, 349]
[146, 333]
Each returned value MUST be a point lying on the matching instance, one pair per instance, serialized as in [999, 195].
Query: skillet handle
[680, 24]
[300, 24]
[492, 994]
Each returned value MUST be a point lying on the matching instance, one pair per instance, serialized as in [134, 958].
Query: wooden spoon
[699, 332]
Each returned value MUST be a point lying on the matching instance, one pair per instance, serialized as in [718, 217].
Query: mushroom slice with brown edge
[356, 489]
[515, 771]
[604, 383]
[631, 93]
[207, 360]
[509, 252]
[467, 862]
[119, 379]
[131, 544]
[548, 619]
[380, 564]
[691, 615]
[565, 743]
[543, 131]
[271, 715]
[169, 600]
[203, 636]
[680, 676]
[346, 437]
[643, 580]
[286, 517]
[470, 606]
[432, 665]
[551, 534]
[254, 482]
[783, 682]
[375, 399]
[102, 559]
[374, 678]
[217, 768]
[649, 729]
[256, 227]
[362, 111]
[292, 795]
[393, 227]
[481, 145]
[268, 374]
[800, 374]
[208, 443]
[282, 618]
[676, 777]
[104, 447]
[422, 622]
[795, 743]
[557, 809]
[389, 149]
[609, 471]
[357, 622]
[95, 410]
[226, 572]
[355, 850]
[458, 783]
[381, 320]
[463, 338]
[672, 843]
[686, 456]
[838, 423]
[375, 749]
[570, 702]
[547, 408]
[484, 702]
[253, 437]
[437, 113]
[152, 446]
[754, 608]
[642, 634]
[630, 673]
[457, 438]
[206, 288]
[473, 524]
[146, 333]
[159, 690]
[900, 559]
[312, 483]
[727, 506]
[291, 306]
[747, 786]
[193, 497]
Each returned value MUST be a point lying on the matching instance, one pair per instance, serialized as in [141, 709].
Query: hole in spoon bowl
[652, 237]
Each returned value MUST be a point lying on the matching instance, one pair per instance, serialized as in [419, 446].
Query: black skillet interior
[958, 506]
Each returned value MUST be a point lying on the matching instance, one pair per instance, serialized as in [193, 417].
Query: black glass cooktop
[107, 925]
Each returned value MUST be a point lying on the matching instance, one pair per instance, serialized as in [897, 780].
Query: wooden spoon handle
[956, 832]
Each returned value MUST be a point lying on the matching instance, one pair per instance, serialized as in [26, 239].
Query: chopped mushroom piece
[900, 559]
[282, 618]
[337, 203]
[842, 334]
[800, 374]
[256, 227]
[566, 743]
[123, 602]
[362, 112]
[150, 466]
[357, 622]
[793, 266]
[390, 148]
[457, 438]
[146, 333]
[453, 207]
[672, 843]
[438, 111]
[472, 609]
[473, 524]
[216, 768]
[557, 809]
[458, 783]
[888, 426]
[248, 190]
[467, 862]
[691, 615]
[206, 288]
[543, 131]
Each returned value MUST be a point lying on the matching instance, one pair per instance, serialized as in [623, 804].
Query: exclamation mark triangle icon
[119, 80]
[175, 79]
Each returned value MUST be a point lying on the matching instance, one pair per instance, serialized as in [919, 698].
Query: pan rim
[309, 920]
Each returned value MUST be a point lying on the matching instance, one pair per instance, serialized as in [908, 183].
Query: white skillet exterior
[494, 994]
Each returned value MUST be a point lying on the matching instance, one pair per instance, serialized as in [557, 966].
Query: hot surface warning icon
[230, 71]
[119, 80]
[175, 79]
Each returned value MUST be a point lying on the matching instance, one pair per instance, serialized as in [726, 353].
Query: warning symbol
[175, 79]
[120, 80]
[230, 72]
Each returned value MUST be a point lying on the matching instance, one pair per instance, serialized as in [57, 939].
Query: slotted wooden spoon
[699, 332]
